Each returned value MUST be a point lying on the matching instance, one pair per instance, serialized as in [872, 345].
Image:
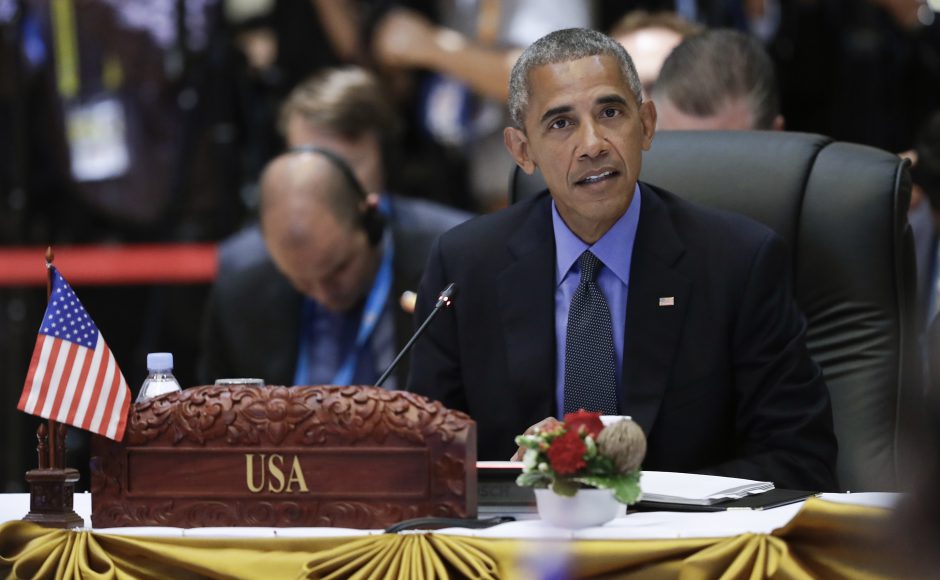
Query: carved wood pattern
[250, 415]
[265, 513]
[51, 494]
[267, 419]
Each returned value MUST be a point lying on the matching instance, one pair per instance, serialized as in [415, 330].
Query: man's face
[330, 262]
[363, 155]
[586, 132]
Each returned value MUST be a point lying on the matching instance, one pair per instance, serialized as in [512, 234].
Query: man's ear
[648, 120]
[518, 145]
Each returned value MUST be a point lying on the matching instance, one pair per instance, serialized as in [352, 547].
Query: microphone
[444, 300]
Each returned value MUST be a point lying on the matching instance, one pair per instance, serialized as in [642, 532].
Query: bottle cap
[158, 361]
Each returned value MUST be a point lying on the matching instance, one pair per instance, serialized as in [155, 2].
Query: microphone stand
[445, 299]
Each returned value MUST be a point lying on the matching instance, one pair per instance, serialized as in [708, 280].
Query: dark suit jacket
[721, 382]
[252, 322]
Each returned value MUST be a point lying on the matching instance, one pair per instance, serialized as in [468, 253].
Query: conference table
[830, 536]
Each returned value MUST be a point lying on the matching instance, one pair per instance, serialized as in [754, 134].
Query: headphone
[371, 219]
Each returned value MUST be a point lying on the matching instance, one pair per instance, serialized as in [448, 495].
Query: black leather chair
[842, 208]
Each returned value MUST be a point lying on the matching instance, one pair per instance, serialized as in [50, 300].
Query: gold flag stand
[51, 484]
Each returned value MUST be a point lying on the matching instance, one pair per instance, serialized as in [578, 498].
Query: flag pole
[52, 484]
[53, 426]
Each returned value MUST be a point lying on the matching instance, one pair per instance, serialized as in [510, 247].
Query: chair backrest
[843, 210]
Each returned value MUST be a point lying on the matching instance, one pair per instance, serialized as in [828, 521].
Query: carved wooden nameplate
[240, 455]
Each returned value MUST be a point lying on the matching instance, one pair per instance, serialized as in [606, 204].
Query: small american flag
[72, 376]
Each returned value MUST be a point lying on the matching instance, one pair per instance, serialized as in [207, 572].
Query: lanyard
[371, 314]
[67, 60]
[66, 48]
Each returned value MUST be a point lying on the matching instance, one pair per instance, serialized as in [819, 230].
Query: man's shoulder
[243, 249]
[695, 219]
[425, 215]
[494, 229]
[245, 266]
[247, 280]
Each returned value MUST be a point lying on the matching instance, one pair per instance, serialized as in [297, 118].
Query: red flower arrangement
[566, 453]
[590, 422]
[581, 452]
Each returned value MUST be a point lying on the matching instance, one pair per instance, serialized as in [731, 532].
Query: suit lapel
[405, 277]
[653, 325]
[526, 301]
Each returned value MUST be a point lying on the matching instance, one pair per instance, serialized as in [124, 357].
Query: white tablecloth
[635, 525]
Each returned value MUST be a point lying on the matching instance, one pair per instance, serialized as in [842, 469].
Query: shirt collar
[610, 249]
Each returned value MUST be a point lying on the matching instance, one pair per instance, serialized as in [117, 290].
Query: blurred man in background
[718, 80]
[649, 37]
[467, 49]
[312, 296]
[345, 110]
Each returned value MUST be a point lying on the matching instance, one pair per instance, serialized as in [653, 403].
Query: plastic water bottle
[160, 379]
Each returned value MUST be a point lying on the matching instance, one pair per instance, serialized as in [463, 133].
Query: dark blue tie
[590, 368]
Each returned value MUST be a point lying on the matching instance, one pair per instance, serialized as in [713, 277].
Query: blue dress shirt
[615, 250]
[328, 337]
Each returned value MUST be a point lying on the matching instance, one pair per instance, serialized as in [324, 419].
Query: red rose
[566, 453]
[591, 422]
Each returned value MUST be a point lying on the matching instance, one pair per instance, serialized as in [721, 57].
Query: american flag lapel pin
[667, 300]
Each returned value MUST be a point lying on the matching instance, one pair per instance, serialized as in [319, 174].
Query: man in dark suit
[703, 339]
[312, 296]
[301, 285]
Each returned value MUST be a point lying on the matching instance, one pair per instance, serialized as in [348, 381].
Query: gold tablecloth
[825, 540]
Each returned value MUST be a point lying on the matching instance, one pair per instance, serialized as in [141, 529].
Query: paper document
[512, 465]
[696, 489]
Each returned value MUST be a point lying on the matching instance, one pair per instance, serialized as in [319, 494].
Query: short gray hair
[565, 46]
